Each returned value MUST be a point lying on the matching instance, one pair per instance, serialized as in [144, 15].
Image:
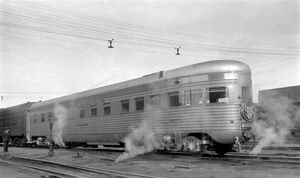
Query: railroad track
[47, 166]
[52, 172]
[239, 156]
[264, 158]
[229, 156]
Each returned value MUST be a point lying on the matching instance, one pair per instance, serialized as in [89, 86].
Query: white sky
[41, 57]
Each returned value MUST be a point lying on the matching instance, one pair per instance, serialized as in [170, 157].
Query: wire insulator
[110, 43]
[177, 49]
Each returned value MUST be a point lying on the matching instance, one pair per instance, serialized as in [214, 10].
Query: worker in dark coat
[5, 138]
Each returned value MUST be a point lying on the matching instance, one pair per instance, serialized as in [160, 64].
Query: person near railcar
[5, 138]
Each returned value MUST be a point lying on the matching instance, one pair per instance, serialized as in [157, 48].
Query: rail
[107, 172]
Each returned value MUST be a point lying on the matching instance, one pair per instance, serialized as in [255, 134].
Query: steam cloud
[61, 115]
[140, 141]
[143, 138]
[274, 123]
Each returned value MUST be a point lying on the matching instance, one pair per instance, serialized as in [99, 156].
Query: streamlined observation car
[200, 106]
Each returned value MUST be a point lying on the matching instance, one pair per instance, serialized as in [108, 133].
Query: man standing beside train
[5, 138]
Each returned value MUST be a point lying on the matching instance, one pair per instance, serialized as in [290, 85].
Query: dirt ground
[167, 165]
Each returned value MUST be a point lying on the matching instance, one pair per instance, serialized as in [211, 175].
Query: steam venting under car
[61, 115]
[274, 124]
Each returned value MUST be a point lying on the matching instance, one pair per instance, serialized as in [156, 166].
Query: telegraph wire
[96, 30]
[103, 39]
[121, 24]
[148, 50]
[34, 28]
[112, 22]
[243, 51]
[161, 52]
[53, 38]
[228, 47]
[38, 93]
[260, 64]
[27, 27]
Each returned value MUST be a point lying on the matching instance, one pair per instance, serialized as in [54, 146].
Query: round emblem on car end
[248, 112]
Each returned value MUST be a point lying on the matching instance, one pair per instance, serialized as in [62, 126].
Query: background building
[292, 93]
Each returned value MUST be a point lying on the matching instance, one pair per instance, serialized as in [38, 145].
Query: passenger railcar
[197, 107]
[14, 119]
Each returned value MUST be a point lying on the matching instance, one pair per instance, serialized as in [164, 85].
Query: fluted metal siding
[208, 118]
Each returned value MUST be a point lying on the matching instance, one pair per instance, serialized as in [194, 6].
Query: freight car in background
[14, 119]
[202, 106]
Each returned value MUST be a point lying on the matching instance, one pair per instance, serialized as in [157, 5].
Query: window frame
[174, 99]
[140, 107]
[81, 113]
[96, 111]
[191, 101]
[43, 117]
[125, 104]
[226, 92]
[106, 107]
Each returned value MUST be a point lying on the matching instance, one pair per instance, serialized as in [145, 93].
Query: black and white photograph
[150, 88]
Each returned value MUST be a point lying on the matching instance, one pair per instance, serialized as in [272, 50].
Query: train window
[94, 112]
[81, 113]
[193, 97]
[174, 98]
[125, 105]
[196, 97]
[217, 95]
[187, 97]
[139, 104]
[106, 108]
[42, 117]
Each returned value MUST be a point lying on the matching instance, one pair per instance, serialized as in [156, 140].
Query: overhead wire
[62, 25]
[95, 29]
[120, 41]
[250, 52]
[43, 30]
[120, 24]
[260, 64]
[151, 51]
[29, 93]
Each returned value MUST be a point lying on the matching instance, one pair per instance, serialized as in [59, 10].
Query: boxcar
[206, 104]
